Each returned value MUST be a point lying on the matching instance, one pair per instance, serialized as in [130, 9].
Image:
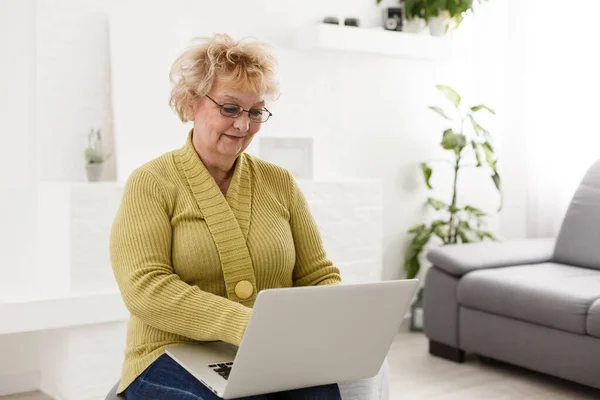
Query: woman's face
[217, 136]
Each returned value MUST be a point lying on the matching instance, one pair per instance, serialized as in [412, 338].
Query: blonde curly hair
[246, 65]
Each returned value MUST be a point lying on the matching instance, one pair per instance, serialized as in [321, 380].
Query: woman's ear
[191, 106]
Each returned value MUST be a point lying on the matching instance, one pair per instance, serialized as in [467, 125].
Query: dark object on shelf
[392, 19]
[331, 20]
[416, 313]
[351, 22]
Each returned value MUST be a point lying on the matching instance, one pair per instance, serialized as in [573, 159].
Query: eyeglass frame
[241, 112]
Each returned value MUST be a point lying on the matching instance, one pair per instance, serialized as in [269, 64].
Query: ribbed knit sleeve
[140, 250]
[312, 265]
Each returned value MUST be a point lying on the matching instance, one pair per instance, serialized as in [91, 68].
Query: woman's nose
[242, 122]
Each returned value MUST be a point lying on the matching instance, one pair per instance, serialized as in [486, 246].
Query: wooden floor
[27, 396]
[415, 375]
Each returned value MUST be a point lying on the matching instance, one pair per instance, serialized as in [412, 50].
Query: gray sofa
[533, 303]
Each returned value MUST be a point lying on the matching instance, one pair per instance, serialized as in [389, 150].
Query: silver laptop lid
[309, 336]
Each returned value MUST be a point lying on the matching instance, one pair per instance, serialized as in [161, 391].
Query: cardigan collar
[227, 217]
[207, 192]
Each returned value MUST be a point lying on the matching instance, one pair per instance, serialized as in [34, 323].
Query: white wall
[514, 161]
[18, 154]
[562, 108]
[18, 161]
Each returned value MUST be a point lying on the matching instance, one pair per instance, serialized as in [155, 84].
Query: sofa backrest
[578, 241]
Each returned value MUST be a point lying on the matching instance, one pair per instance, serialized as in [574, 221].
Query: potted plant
[95, 156]
[438, 17]
[414, 16]
[442, 15]
[456, 223]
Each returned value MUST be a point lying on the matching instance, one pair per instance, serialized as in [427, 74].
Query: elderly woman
[202, 229]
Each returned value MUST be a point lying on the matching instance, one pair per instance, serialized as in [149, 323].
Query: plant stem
[453, 228]
[452, 231]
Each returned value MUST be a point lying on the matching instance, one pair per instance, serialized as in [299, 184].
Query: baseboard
[19, 383]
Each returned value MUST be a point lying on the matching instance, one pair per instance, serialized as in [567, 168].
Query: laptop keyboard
[222, 369]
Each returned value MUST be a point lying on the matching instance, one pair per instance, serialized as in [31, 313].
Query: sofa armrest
[460, 259]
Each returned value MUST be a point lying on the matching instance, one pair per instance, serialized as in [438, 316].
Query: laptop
[303, 337]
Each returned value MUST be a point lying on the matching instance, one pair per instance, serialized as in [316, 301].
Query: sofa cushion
[577, 242]
[549, 294]
[593, 320]
[463, 258]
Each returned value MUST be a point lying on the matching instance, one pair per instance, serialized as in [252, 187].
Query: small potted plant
[95, 156]
[443, 15]
[438, 17]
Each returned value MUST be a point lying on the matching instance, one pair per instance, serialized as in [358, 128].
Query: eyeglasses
[229, 110]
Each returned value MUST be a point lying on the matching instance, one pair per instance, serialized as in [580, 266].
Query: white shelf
[74, 222]
[377, 41]
[36, 314]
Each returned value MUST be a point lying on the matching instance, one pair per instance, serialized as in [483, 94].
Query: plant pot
[415, 25]
[94, 172]
[438, 26]
[416, 313]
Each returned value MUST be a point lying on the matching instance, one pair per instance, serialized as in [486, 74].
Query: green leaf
[416, 228]
[442, 231]
[464, 225]
[412, 267]
[453, 141]
[464, 238]
[489, 155]
[450, 94]
[483, 107]
[485, 234]
[412, 251]
[496, 179]
[464, 231]
[438, 222]
[475, 211]
[436, 204]
[440, 112]
[422, 237]
[489, 145]
[427, 171]
[475, 146]
[412, 264]
[477, 128]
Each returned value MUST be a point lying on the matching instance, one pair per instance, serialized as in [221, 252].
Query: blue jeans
[165, 379]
